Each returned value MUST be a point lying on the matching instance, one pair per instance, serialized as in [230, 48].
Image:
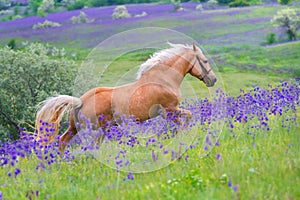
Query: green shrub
[199, 7]
[284, 2]
[45, 7]
[239, 3]
[224, 2]
[77, 5]
[81, 18]
[5, 12]
[271, 38]
[16, 10]
[289, 20]
[120, 12]
[28, 76]
[143, 14]
[34, 5]
[212, 4]
[177, 5]
[4, 4]
[12, 44]
[45, 24]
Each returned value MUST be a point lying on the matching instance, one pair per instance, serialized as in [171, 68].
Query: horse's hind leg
[66, 137]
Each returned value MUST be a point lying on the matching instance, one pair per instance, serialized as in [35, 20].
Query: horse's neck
[181, 64]
[171, 71]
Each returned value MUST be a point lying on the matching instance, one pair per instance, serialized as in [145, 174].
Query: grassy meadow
[256, 157]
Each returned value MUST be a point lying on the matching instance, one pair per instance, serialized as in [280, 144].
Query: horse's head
[201, 69]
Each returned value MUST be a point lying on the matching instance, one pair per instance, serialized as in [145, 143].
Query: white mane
[162, 56]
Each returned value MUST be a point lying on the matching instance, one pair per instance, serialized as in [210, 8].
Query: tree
[120, 12]
[34, 5]
[46, 6]
[4, 4]
[284, 2]
[289, 21]
[27, 77]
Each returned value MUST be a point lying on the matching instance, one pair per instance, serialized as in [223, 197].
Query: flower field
[253, 119]
[242, 141]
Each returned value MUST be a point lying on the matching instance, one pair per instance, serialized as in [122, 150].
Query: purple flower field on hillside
[205, 27]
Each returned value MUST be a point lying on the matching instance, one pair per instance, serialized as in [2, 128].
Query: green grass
[261, 167]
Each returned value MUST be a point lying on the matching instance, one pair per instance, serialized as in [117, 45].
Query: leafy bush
[77, 5]
[177, 5]
[46, 24]
[212, 4]
[143, 14]
[46, 6]
[16, 10]
[239, 3]
[120, 12]
[271, 38]
[289, 21]
[27, 77]
[5, 12]
[34, 5]
[4, 4]
[284, 2]
[225, 1]
[81, 18]
[12, 43]
[199, 7]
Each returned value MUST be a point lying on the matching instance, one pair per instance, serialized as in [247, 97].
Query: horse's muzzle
[210, 81]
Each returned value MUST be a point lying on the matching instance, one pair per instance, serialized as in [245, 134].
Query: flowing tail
[50, 113]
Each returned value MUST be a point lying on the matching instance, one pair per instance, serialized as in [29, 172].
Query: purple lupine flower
[130, 176]
[218, 156]
[235, 188]
[229, 184]
[186, 158]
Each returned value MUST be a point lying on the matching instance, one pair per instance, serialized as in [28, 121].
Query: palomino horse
[157, 87]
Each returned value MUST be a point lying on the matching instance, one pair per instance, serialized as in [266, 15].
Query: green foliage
[4, 4]
[239, 3]
[77, 5]
[120, 12]
[81, 18]
[289, 20]
[212, 4]
[284, 2]
[271, 38]
[45, 7]
[12, 44]
[45, 24]
[199, 7]
[16, 10]
[34, 5]
[224, 2]
[27, 77]
[177, 5]
[143, 14]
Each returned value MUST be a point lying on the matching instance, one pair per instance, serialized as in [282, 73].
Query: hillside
[219, 31]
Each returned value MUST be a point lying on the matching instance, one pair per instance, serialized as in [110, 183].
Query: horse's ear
[194, 47]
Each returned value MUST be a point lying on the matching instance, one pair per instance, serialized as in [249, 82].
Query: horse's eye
[205, 61]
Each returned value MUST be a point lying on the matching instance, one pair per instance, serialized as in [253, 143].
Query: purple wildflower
[235, 188]
[130, 176]
[17, 172]
[229, 184]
